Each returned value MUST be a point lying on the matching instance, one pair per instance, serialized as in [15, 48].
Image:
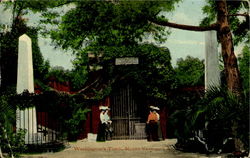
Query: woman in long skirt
[101, 135]
[152, 126]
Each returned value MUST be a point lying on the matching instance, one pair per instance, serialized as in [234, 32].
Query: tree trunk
[230, 61]
[224, 37]
[1, 154]
[227, 49]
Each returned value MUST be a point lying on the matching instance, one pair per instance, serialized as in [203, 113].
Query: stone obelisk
[26, 119]
[212, 72]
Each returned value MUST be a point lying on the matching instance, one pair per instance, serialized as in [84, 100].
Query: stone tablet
[127, 61]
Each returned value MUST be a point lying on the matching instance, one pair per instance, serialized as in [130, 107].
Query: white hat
[151, 107]
[154, 108]
[104, 108]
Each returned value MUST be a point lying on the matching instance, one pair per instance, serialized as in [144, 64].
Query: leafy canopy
[108, 23]
[154, 73]
[190, 71]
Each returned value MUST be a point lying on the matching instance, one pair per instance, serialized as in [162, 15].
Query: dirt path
[121, 149]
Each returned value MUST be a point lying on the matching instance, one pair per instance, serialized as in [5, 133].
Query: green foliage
[244, 66]
[102, 93]
[155, 73]
[79, 74]
[10, 141]
[17, 141]
[153, 76]
[112, 27]
[238, 24]
[219, 110]
[76, 78]
[9, 43]
[224, 110]
[14, 139]
[23, 100]
[210, 10]
[107, 23]
[180, 104]
[73, 124]
[40, 66]
[7, 112]
[22, 7]
[58, 74]
[190, 72]
[69, 110]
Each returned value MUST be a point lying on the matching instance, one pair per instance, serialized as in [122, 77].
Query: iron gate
[126, 120]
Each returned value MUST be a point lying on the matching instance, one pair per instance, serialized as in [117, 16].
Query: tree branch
[185, 27]
[89, 85]
[243, 14]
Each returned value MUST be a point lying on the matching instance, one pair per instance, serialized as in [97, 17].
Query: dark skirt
[152, 131]
[101, 135]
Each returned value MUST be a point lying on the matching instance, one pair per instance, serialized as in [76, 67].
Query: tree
[114, 30]
[216, 115]
[106, 23]
[224, 26]
[190, 71]
[224, 36]
[109, 23]
[154, 75]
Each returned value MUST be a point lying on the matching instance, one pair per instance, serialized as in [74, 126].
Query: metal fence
[126, 121]
[41, 127]
[48, 127]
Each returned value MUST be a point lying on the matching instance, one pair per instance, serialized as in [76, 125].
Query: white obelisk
[212, 72]
[26, 119]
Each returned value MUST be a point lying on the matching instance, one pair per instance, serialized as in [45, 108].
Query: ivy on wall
[69, 110]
